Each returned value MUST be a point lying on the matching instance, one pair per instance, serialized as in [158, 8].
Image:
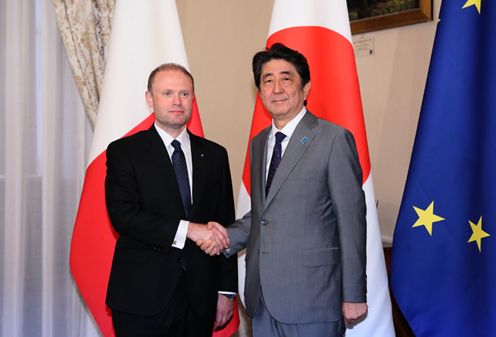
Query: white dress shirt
[288, 130]
[183, 138]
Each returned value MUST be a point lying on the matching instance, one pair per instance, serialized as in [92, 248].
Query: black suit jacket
[145, 208]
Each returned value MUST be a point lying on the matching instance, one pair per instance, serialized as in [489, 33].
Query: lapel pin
[304, 139]
[202, 155]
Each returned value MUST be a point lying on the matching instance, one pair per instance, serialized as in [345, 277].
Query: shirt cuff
[229, 294]
[181, 234]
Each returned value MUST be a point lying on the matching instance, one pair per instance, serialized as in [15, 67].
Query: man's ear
[149, 99]
[306, 89]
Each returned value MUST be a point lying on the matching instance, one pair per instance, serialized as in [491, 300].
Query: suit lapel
[300, 141]
[258, 167]
[158, 150]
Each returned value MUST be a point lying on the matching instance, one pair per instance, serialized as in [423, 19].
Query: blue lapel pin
[304, 139]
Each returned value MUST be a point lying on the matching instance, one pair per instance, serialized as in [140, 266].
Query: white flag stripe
[244, 203]
[122, 104]
[379, 320]
[330, 14]
[244, 206]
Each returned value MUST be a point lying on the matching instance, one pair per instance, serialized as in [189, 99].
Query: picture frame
[371, 15]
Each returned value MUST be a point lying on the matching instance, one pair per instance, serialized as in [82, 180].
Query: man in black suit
[162, 186]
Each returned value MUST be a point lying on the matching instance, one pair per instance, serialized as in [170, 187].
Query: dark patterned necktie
[275, 160]
[179, 163]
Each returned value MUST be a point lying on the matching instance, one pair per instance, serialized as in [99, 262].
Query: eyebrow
[284, 72]
[267, 75]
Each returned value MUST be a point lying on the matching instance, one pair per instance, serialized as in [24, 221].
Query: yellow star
[426, 217]
[476, 3]
[477, 233]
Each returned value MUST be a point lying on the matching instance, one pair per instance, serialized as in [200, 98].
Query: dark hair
[279, 51]
[168, 66]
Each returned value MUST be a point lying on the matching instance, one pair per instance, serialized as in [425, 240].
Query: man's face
[281, 91]
[171, 99]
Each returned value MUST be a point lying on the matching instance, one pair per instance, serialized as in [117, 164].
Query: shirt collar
[289, 128]
[183, 137]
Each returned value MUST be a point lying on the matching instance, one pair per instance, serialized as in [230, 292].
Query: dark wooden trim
[421, 14]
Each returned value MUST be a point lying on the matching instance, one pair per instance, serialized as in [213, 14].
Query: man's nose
[176, 99]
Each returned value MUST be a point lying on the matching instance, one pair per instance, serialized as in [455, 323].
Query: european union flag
[444, 248]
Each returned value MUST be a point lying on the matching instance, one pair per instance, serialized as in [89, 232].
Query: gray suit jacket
[306, 241]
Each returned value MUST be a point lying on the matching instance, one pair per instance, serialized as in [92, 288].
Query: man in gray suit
[306, 232]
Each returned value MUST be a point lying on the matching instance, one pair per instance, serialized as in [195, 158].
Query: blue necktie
[275, 160]
[179, 163]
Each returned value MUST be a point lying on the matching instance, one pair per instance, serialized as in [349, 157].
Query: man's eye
[185, 94]
[167, 93]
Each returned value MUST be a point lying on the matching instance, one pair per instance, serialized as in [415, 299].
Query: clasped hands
[212, 238]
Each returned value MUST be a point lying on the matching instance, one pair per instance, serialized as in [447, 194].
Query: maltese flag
[145, 34]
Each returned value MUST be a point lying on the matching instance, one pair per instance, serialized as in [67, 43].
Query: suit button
[264, 222]
[182, 263]
[156, 249]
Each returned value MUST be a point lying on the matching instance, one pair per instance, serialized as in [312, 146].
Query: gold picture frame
[370, 15]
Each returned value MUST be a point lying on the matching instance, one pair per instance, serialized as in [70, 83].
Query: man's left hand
[224, 311]
[353, 312]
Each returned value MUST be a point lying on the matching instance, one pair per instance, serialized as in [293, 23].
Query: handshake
[212, 238]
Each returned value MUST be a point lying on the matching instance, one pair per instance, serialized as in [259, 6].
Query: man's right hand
[211, 238]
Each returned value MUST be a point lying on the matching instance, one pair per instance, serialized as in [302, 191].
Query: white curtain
[44, 137]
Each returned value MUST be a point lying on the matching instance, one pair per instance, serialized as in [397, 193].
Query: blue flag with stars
[444, 248]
